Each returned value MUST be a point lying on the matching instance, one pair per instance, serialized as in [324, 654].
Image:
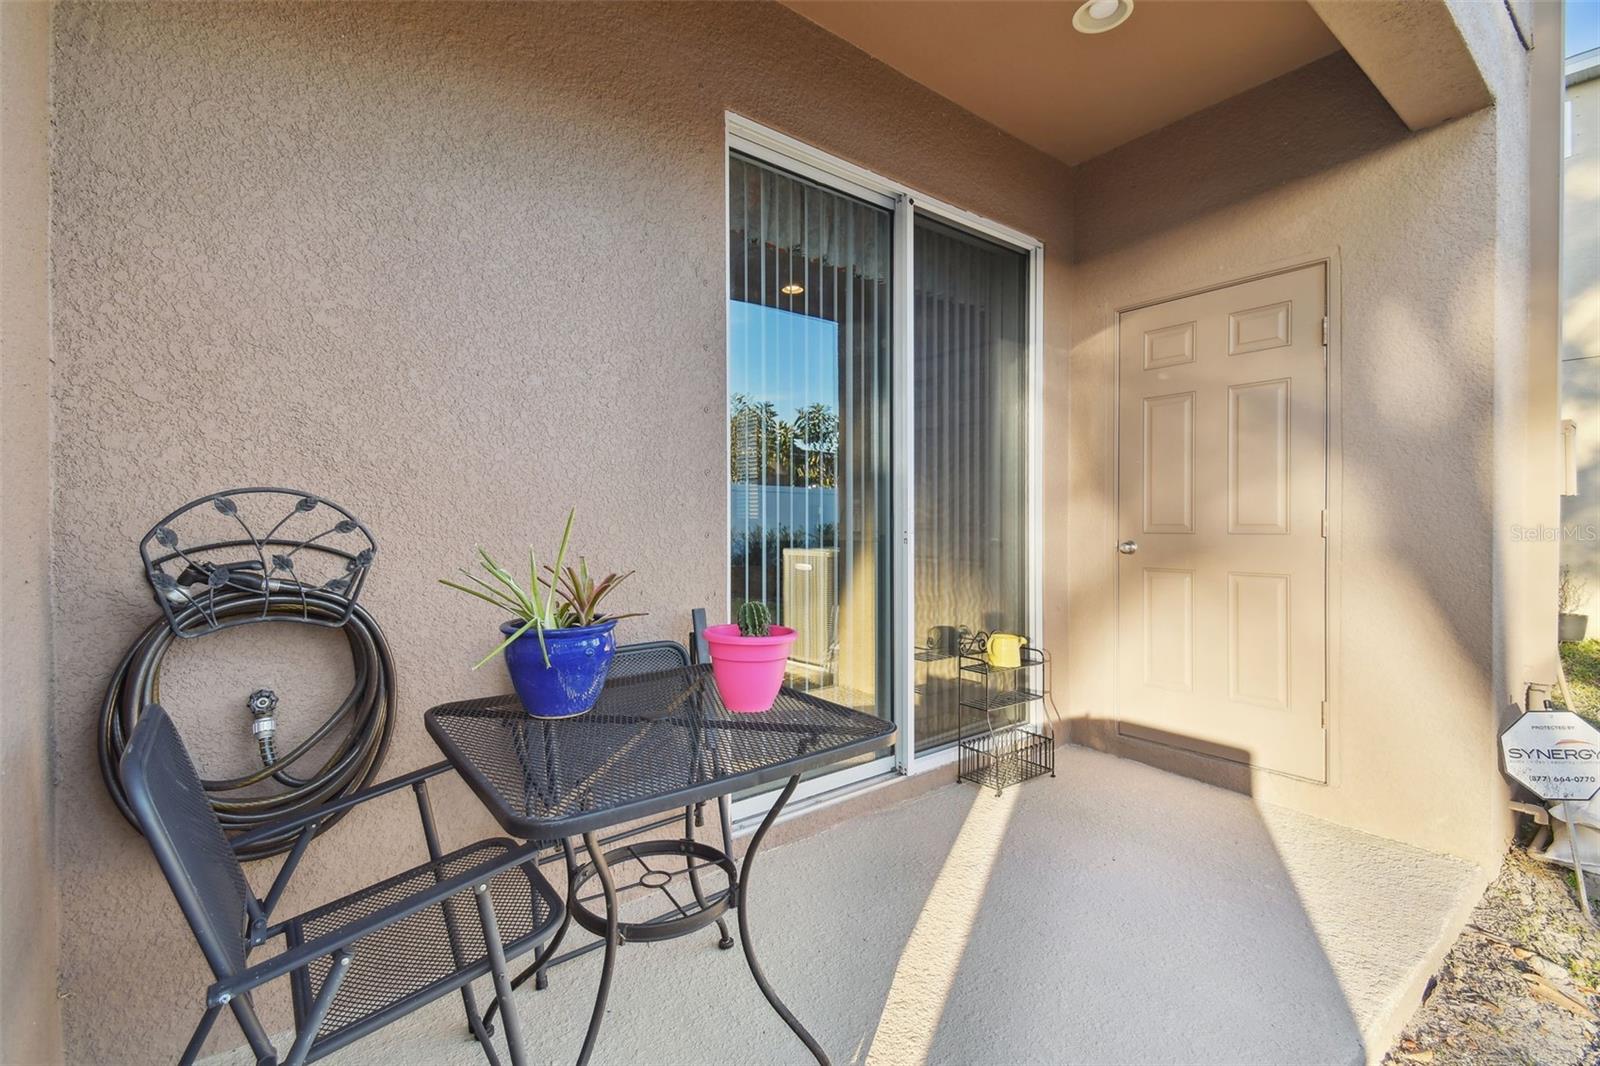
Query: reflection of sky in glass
[782, 358]
[1583, 26]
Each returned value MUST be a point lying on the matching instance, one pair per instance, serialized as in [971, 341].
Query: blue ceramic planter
[571, 684]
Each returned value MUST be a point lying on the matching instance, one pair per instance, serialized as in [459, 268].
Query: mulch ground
[1520, 985]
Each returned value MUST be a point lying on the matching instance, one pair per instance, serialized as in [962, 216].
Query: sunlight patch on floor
[927, 968]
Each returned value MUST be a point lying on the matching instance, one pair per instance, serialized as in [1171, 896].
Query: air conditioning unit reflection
[810, 602]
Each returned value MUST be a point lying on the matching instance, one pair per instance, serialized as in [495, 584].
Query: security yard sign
[1555, 753]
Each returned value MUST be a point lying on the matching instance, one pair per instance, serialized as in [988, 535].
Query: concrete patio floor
[1116, 914]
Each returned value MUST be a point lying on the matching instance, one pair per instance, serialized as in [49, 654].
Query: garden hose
[362, 722]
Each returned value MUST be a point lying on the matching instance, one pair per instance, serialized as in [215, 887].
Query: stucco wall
[1421, 231]
[1580, 342]
[30, 1023]
[457, 267]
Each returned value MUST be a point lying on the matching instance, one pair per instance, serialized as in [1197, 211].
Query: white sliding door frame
[768, 145]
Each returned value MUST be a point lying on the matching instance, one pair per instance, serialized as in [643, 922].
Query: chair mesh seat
[413, 959]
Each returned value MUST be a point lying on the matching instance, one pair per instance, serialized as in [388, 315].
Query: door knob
[1128, 547]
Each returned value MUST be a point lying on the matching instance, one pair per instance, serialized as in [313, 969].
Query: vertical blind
[810, 325]
[809, 361]
[970, 388]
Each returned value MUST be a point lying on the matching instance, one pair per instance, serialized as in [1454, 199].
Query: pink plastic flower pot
[749, 670]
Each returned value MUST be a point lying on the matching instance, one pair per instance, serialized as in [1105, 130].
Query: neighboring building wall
[1580, 342]
[30, 1019]
[1422, 230]
[456, 267]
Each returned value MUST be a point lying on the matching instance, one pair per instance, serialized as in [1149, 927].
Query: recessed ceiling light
[793, 289]
[1098, 16]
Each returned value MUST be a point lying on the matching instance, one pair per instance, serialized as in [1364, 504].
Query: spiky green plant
[538, 606]
[581, 594]
[561, 597]
[755, 620]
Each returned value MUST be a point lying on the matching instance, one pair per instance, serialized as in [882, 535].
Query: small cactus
[754, 620]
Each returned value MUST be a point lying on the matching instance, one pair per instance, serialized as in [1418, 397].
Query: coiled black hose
[363, 721]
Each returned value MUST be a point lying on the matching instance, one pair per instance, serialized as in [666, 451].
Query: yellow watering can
[1005, 650]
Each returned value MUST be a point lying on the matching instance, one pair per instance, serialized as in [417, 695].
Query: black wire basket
[1007, 756]
[250, 554]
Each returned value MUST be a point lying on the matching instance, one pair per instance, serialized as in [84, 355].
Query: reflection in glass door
[809, 363]
[970, 428]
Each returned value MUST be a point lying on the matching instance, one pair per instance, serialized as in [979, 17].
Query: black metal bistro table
[654, 743]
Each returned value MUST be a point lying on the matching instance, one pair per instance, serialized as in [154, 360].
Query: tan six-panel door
[1222, 560]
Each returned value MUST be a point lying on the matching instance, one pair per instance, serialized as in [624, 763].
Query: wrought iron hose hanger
[246, 556]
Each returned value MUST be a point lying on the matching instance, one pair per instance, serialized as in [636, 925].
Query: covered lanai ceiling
[1022, 66]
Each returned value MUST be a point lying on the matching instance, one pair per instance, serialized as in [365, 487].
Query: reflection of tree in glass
[751, 426]
[765, 449]
[817, 429]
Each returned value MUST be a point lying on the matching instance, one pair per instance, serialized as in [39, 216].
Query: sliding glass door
[880, 380]
[970, 425]
[810, 347]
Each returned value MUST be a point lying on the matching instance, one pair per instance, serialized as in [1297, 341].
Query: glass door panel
[809, 361]
[970, 427]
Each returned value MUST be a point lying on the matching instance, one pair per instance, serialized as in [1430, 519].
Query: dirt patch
[1519, 986]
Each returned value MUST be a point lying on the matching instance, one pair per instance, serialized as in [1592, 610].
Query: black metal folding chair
[634, 659]
[699, 649]
[355, 964]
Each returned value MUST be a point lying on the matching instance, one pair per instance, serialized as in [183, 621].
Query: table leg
[726, 941]
[744, 927]
[542, 966]
[542, 955]
[598, 856]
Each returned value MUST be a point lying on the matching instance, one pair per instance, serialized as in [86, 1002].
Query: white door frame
[764, 143]
[1332, 488]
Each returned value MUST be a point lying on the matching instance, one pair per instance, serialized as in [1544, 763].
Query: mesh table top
[654, 742]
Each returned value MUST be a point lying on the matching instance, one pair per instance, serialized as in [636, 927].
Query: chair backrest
[171, 807]
[699, 650]
[650, 657]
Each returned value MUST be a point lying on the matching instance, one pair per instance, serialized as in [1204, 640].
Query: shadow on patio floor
[1115, 914]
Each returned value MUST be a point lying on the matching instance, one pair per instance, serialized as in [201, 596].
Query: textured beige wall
[346, 248]
[454, 266]
[30, 1022]
[1580, 354]
[1414, 52]
[1423, 232]
[1526, 385]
